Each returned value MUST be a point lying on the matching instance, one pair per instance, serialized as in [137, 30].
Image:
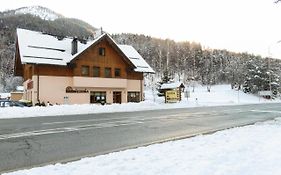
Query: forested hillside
[191, 63]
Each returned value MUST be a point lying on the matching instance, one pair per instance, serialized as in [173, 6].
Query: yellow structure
[172, 96]
[172, 91]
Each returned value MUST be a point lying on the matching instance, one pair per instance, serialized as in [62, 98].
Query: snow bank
[5, 95]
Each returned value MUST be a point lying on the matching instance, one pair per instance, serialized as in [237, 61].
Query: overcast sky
[253, 26]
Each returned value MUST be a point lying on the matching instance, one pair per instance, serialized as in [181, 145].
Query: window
[133, 97]
[117, 72]
[98, 97]
[85, 70]
[96, 71]
[102, 51]
[107, 72]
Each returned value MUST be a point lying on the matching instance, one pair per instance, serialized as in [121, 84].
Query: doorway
[98, 97]
[117, 97]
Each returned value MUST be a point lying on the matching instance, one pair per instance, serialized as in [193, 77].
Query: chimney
[74, 46]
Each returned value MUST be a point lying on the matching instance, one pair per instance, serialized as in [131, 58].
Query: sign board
[172, 96]
[265, 93]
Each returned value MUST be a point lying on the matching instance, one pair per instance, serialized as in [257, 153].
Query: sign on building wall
[172, 96]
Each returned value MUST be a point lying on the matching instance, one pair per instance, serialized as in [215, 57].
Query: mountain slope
[39, 11]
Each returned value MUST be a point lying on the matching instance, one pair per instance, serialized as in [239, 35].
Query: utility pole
[270, 89]
[168, 54]
[269, 66]
[193, 73]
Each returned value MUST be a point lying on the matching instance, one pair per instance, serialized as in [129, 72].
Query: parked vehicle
[9, 103]
[25, 103]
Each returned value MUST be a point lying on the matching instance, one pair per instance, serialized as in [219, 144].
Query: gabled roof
[111, 42]
[39, 48]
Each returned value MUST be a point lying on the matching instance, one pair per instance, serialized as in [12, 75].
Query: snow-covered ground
[5, 95]
[250, 150]
[219, 95]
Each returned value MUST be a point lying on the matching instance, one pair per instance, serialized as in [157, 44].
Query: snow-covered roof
[136, 59]
[39, 48]
[171, 85]
[20, 88]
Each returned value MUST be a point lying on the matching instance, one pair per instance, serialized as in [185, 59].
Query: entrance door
[98, 97]
[117, 97]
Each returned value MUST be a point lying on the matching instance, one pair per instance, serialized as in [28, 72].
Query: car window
[10, 104]
[7, 104]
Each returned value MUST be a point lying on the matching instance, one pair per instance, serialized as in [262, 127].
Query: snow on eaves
[39, 48]
[137, 60]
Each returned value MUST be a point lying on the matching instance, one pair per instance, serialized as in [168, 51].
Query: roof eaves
[152, 72]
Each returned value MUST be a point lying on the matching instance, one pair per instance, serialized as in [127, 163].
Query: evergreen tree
[165, 79]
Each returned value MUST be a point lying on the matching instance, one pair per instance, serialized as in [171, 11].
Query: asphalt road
[38, 141]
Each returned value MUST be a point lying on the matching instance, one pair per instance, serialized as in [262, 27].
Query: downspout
[38, 83]
[141, 91]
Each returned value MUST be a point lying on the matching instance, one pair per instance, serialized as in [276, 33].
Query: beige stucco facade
[53, 89]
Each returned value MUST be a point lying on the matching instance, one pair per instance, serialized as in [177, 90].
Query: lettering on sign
[71, 90]
[172, 96]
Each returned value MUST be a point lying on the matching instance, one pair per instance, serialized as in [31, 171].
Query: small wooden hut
[172, 91]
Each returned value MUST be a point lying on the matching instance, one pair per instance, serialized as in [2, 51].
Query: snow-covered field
[250, 150]
[219, 95]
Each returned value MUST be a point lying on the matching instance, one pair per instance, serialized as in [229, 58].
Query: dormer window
[102, 51]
